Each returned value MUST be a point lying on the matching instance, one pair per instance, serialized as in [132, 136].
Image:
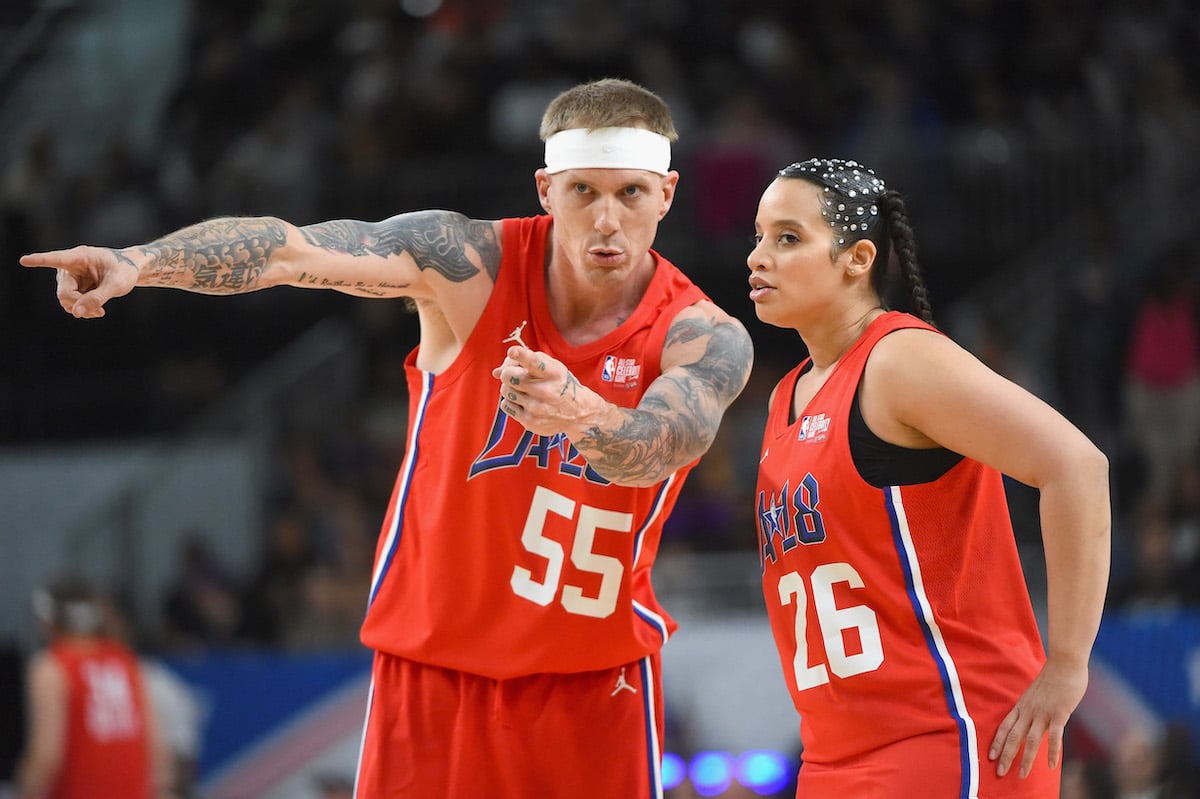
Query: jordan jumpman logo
[623, 684]
[515, 336]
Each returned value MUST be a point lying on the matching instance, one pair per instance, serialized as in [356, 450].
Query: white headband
[608, 148]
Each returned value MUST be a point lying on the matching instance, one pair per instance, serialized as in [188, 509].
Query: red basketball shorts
[436, 733]
[927, 767]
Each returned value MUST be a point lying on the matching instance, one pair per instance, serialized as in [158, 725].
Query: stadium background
[221, 464]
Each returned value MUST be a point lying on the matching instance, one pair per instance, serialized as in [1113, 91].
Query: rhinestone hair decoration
[850, 192]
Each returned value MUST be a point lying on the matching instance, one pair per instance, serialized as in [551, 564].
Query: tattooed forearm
[120, 256]
[643, 450]
[437, 240]
[570, 386]
[677, 419]
[221, 256]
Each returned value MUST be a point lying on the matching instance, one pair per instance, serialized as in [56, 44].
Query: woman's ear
[861, 256]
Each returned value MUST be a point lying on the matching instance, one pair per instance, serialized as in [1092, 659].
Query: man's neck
[589, 306]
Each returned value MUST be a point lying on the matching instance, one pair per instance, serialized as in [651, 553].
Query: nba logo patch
[813, 428]
[620, 371]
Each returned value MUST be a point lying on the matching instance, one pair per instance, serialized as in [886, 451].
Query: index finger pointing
[34, 259]
[76, 259]
[53, 260]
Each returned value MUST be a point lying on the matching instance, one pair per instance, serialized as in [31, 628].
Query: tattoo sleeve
[231, 255]
[677, 419]
[221, 256]
[437, 240]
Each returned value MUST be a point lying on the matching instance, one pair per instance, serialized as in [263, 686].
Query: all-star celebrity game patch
[814, 428]
[621, 371]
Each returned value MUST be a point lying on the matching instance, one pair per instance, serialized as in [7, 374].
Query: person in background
[891, 575]
[180, 711]
[92, 732]
[1161, 384]
[568, 378]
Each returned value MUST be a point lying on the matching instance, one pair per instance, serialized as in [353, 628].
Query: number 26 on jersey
[833, 623]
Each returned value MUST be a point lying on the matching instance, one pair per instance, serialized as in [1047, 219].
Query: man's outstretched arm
[404, 256]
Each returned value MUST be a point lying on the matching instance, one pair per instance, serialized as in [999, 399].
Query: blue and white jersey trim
[968, 743]
[406, 472]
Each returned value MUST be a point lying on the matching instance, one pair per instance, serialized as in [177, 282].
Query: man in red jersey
[91, 733]
[567, 379]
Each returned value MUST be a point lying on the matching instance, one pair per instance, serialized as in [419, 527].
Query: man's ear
[542, 179]
[670, 182]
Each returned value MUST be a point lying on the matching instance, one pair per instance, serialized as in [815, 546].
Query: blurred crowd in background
[1003, 121]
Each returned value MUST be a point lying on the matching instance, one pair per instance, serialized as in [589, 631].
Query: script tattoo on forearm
[221, 256]
[677, 419]
[437, 240]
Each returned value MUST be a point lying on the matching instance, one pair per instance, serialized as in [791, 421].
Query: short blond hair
[608, 103]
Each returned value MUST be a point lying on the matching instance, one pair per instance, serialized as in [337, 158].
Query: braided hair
[856, 205]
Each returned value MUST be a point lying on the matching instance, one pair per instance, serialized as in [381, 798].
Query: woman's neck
[826, 346]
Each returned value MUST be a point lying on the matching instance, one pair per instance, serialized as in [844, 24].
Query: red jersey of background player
[502, 553]
[889, 606]
[107, 750]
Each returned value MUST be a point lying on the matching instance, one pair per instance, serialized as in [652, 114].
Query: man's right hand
[88, 277]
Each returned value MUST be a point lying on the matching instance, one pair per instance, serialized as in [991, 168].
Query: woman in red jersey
[92, 733]
[892, 582]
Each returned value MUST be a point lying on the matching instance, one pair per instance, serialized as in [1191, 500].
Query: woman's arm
[46, 700]
[920, 389]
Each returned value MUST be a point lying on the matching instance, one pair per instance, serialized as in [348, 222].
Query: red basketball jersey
[107, 751]
[901, 614]
[502, 552]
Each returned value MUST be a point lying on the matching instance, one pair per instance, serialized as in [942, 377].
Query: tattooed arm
[409, 255]
[706, 362]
